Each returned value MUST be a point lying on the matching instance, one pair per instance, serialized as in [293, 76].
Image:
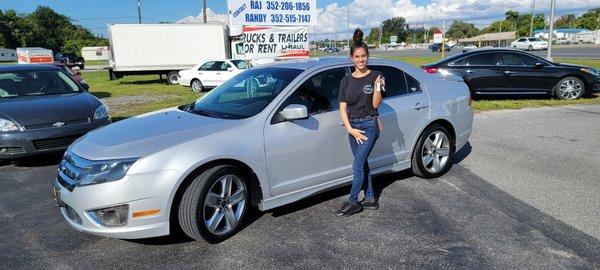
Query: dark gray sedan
[42, 109]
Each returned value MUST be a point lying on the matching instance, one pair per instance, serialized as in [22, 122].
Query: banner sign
[273, 12]
[262, 42]
[437, 38]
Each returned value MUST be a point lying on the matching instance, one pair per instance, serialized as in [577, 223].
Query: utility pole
[501, 20]
[531, 24]
[444, 40]
[204, 11]
[139, 3]
[348, 22]
[550, 34]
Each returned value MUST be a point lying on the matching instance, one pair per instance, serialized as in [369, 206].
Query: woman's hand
[358, 135]
[380, 83]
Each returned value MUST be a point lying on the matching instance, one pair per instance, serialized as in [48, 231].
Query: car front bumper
[140, 192]
[45, 140]
[596, 86]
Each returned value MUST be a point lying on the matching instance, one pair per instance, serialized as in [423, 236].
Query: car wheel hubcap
[570, 89]
[435, 152]
[196, 86]
[224, 204]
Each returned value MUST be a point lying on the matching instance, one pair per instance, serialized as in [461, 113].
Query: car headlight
[101, 112]
[7, 125]
[591, 71]
[106, 171]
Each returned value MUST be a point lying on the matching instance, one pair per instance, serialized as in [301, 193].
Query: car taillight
[430, 69]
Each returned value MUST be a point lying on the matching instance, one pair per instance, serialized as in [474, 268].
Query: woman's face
[360, 57]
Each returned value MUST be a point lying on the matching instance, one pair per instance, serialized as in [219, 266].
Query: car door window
[482, 59]
[521, 40]
[224, 66]
[412, 84]
[207, 66]
[516, 59]
[320, 92]
[395, 82]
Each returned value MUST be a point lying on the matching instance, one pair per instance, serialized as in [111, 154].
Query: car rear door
[308, 152]
[481, 72]
[207, 73]
[405, 108]
[526, 74]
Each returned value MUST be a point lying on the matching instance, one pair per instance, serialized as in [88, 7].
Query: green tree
[373, 37]
[460, 29]
[393, 27]
[589, 20]
[565, 21]
[512, 16]
[49, 28]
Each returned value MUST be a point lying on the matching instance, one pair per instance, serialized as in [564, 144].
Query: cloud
[211, 16]
[370, 13]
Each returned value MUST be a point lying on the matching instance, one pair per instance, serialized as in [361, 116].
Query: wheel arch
[578, 76]
[440, 121]
[249, 176]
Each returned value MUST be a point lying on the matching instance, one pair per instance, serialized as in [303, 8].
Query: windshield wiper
[204, 112]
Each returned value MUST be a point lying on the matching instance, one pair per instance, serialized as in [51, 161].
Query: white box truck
[167, 48]
[34, 55]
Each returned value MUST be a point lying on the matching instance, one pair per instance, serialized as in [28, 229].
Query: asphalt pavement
[471, 218]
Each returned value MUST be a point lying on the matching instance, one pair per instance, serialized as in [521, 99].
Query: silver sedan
[265, 138]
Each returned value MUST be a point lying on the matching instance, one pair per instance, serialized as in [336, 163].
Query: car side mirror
[86, 87]
[295, 112]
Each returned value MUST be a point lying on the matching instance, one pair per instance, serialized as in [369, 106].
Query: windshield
[246, 94]
[240, 64]
[36, 83]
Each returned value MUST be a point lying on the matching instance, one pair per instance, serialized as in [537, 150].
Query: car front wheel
[433, 153]
[215, 204]
[569, 88]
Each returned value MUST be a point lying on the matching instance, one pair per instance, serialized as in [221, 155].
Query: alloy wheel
[197, 86]
[570, 89]
[435, 152]
[224, 204]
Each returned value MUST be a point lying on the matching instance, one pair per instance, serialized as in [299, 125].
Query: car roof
[28, 67]
[323, 62]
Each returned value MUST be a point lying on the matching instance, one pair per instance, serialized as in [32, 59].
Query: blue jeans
[360, 166]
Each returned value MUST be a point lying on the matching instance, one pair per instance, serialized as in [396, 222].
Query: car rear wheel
[569, 88]
[433, 153]
[197, 86]
[215, 204]
[530, 48]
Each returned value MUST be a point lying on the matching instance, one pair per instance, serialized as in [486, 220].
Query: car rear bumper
[44, 140]
[139, 192]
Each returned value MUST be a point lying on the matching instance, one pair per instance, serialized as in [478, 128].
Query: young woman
[359, 97]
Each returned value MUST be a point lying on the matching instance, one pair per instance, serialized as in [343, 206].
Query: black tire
[417, 166]
[191, 208]
[556, 89]
[112, 76]
[173, 78]
[81, 66]
[530, 48]
[197, 86]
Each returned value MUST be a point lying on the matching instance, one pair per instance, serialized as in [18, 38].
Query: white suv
[529, 43]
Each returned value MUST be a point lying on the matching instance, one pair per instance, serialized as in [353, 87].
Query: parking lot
[522, 198]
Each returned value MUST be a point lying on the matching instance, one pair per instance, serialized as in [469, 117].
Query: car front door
[481, 72]
[207, 73]
[527, 74]
[308, 152]
[520, 43]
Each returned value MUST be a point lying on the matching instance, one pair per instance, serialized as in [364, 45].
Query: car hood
[147, 134]
[44, 109]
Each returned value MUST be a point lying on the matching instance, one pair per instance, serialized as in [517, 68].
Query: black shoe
[349, 209]
[372, 205]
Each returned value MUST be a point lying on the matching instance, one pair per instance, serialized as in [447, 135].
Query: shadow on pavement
[35, 161]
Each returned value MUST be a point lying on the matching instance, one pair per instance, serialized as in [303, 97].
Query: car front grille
[55, 143]
[57, 124]
[71, 169]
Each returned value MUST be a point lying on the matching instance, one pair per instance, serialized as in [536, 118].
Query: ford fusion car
[267, 137]
[43, 109]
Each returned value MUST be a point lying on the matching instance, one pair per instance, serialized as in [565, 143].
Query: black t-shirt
[358, 94]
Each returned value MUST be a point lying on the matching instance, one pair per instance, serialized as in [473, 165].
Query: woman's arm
[377, 94]
[356, 133]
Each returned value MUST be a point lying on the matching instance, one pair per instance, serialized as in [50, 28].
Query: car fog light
[111, 216]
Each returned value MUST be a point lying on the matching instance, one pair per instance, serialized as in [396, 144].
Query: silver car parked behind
[267, 137]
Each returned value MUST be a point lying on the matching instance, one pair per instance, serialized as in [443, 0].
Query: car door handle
[218, 73]
[342, 124]
[420, 106]
[507, 72]
[469, 71]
